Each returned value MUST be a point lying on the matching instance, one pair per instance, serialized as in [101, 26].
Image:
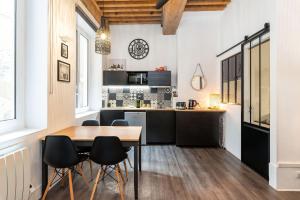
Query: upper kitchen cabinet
[151, 78]
[115, 78]
[159, 78]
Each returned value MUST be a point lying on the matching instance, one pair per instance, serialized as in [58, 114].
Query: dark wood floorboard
[176, 173]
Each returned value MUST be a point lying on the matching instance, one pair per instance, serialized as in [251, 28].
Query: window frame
[227, 60]
[17, 122]
[80, 31]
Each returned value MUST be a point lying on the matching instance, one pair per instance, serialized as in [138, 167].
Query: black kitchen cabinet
[159, 78]
[160, 127]
[108, 116]
[115, 78]
[199, 129]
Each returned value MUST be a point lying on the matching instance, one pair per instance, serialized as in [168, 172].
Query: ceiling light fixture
[102, 41]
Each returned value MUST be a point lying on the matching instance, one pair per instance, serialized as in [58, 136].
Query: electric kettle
[192, 103]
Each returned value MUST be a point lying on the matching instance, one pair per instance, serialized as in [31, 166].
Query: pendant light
[102, 42]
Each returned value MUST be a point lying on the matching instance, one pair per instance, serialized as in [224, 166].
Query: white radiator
[15, 175]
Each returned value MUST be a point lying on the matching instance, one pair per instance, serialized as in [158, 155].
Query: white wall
[285, 94]
[243, 17]
[232, 129]
[162, 47]
[198, 42]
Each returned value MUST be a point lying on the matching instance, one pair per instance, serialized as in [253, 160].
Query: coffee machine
[192, 103]
[180, 105]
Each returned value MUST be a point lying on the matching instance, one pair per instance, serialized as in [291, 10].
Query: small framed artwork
[63, 71]
[64, 50]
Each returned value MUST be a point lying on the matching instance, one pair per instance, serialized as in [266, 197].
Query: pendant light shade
[102, 42]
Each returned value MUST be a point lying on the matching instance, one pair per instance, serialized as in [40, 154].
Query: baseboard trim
[288, 190]
[284, 176]
[288, 165]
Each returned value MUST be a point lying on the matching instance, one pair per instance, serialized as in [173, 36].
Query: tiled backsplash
[127, 96]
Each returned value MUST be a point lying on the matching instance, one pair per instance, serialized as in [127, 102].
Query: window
[231, 79]
[82, 72]
[7, 60]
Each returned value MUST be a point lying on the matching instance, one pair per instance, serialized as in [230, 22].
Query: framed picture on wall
[63, 71]
[64, 50]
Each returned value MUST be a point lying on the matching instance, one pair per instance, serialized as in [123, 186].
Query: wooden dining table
[130, 136]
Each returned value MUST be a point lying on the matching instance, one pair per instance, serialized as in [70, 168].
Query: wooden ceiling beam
[127, 5]
[129, 9]
[144, 11]
[122, 5]
[134, 19]
[172, 13]
[93, 8]
[133, 14]
[134, 22]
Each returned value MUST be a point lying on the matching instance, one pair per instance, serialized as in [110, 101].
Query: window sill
[16, 135]
[85, 114]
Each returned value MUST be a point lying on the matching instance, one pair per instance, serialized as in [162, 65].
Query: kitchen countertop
[165, 109]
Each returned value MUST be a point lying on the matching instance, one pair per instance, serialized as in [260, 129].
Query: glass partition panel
[238, 78]
[232, 77]
[265, 84]
[255, 82]
[247, 70]
[225, 81]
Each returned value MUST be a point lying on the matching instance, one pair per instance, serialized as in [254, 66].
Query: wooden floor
[174, 173]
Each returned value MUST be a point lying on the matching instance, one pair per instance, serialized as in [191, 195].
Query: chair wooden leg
[71, 185]
[120, 183]
[121, 174]
[99, 176]
[129, 163]
[49, 184]
[126, 171]
[80, 171]
[91, 169]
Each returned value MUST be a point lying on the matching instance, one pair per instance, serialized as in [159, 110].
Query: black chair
[108, 151]
[84, 149]
[91, 123]
[60, 153]
[122, 122]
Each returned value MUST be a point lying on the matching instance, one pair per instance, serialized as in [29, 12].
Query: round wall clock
[138, 49]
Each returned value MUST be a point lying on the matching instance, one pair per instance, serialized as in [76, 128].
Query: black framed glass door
[256, 103]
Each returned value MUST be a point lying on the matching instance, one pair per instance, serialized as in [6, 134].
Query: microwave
[137, 78]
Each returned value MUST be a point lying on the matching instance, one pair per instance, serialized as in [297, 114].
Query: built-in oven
[137, 78]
